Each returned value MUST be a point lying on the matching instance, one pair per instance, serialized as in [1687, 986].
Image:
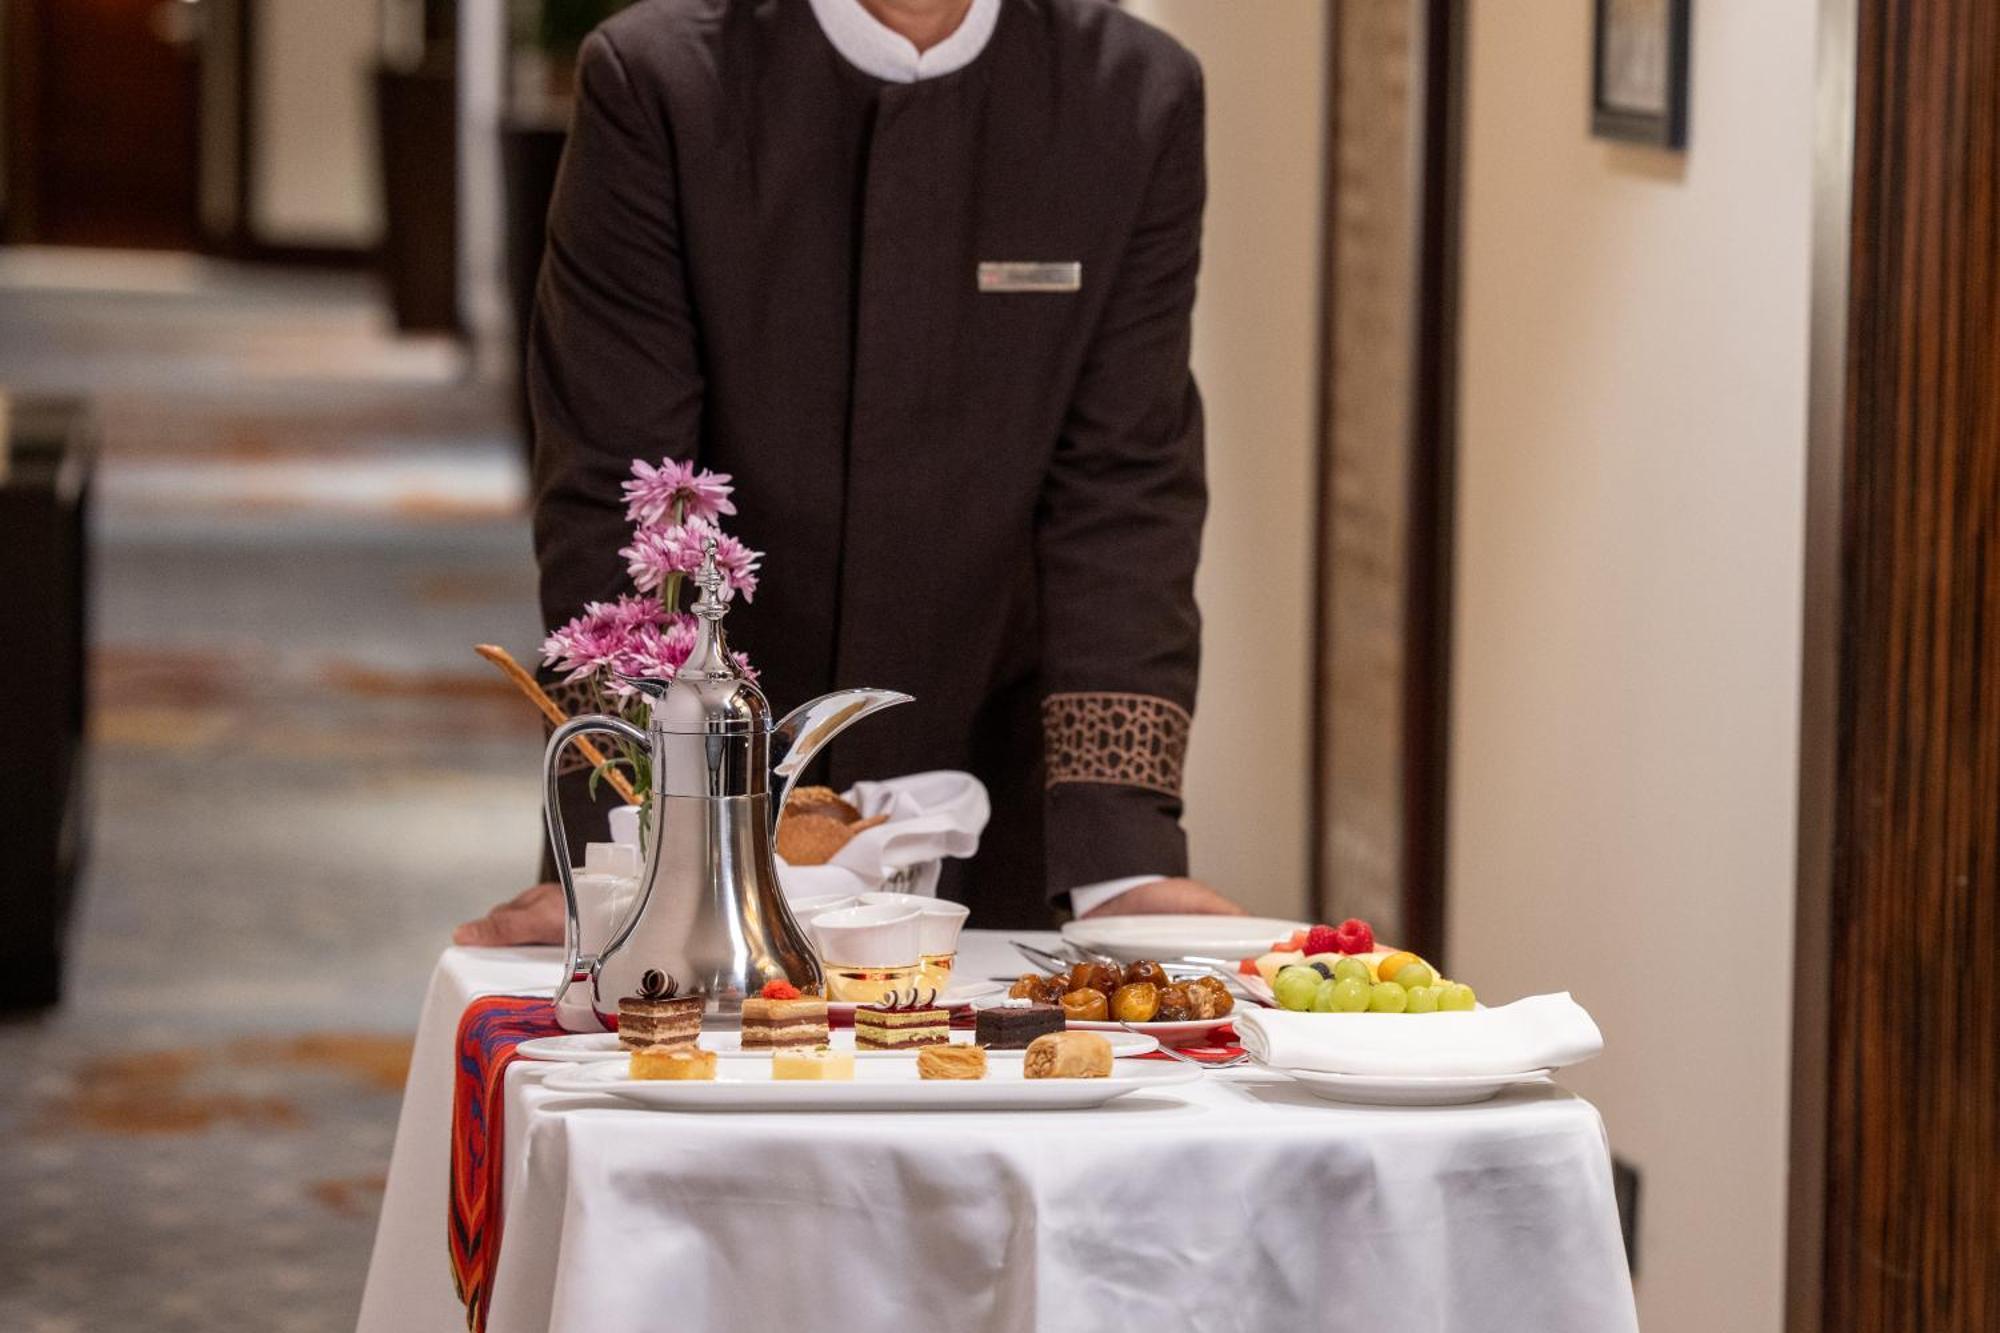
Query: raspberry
[1356, 936]
[1322, 939]
[779, 990]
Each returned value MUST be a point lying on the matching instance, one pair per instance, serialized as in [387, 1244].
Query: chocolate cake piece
[658, 1015]
[1011, 1024]
[786, 1022]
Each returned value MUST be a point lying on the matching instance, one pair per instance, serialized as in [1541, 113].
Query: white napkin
[1540, 1032]
[931, 816]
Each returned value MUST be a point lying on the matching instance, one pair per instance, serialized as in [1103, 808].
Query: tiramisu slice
[780, 1016]
[658, 1015]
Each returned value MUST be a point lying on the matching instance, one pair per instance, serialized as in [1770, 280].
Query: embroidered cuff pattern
[1133, 740]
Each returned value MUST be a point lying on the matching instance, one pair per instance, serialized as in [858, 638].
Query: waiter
[919, 273]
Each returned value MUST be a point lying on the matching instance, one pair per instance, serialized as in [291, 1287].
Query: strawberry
[1322, 939]
[779, 990]
[1356, 936]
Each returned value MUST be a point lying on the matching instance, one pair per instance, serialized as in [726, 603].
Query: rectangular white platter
[590, 1047]
[876, 1086]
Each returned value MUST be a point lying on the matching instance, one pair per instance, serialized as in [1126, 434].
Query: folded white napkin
[931, 816]
[1540, 1032]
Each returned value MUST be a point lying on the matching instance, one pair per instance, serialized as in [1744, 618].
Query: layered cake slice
[658, 1015]
[780, 1016]
[1011, 1024]
[901, 1023]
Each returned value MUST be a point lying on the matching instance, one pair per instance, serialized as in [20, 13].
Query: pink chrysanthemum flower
[657, 553]
[653, 492]
[605, 633]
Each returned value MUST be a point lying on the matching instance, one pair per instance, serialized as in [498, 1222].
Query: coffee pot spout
[802, 733]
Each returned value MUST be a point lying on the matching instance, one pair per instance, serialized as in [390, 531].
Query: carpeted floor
[302, 778]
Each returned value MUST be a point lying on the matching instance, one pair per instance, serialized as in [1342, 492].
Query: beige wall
[1632, 422]
[315, 175]
[1255, 338]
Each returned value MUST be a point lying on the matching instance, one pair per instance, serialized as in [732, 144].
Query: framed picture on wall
[1639, 71]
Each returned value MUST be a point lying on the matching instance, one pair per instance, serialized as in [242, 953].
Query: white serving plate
[1194, 1032]
[1130, 939]
[880, 1085]
[592, 1047]
[1406, 1090]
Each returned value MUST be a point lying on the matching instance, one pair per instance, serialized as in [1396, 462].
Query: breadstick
[552, 710]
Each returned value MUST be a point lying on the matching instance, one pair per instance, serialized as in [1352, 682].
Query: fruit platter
[1340, 970]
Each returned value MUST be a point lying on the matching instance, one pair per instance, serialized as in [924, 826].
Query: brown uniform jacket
[761, 258]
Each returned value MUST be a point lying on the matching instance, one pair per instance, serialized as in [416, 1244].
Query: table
[1240, 1202]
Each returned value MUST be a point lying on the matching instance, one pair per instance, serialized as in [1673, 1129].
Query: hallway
[302, 778]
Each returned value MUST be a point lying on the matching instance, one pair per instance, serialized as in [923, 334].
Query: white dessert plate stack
[1131, 939]
[883, 1085]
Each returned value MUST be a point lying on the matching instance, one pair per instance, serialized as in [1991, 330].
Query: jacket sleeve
[613, 369]
[1119, 535]
[613, 372]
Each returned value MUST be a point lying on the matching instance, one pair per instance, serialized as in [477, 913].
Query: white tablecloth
[1239, 1202]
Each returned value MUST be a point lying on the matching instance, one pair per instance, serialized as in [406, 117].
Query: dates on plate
[1135, 1002]
[1218, 995]
[1101, 977]
[1087, 1005]
[1147, 971]
[1178, 1004]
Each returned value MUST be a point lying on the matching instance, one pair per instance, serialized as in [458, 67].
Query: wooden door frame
[1423, 724]
[1895, 1134]
[1820, 659]
[22, 115]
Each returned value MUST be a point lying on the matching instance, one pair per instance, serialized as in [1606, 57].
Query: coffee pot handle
[577, 965]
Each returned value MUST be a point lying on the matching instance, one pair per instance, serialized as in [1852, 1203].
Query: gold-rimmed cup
[937, 933]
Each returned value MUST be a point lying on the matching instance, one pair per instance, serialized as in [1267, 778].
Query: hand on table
[533, 916]
[1168, 895]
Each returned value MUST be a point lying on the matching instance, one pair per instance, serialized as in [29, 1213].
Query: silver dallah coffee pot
[709, 912]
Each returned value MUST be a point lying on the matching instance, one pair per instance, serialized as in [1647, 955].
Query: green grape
[1323, 998]
[1386, 997]
[1350, 996]
[1353, 968]
[1457, 999]
[1423, 1000]
[1294, 988]
[1413, 975]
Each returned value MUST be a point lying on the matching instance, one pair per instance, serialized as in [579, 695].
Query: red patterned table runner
[488, 1034]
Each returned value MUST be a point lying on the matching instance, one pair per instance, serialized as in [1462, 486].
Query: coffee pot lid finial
[710, 606]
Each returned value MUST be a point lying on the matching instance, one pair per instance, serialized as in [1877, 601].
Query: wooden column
[1896, 1204]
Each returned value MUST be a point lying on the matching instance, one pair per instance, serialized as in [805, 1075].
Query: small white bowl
[818, 904]
[873, 935]
[937, 933]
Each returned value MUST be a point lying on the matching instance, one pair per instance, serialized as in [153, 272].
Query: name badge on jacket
[1030, 276]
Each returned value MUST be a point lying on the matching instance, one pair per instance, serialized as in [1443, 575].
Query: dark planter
[417, 120]
[44, 582]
